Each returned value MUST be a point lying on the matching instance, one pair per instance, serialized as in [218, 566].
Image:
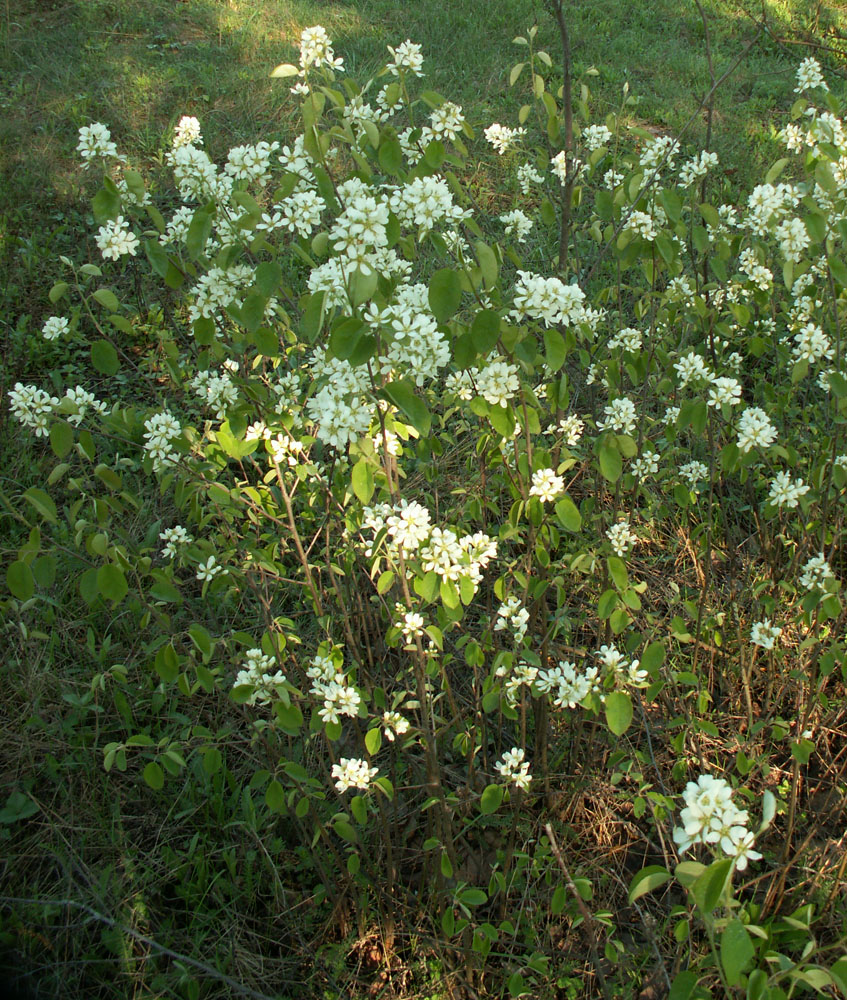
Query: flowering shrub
[458, 471]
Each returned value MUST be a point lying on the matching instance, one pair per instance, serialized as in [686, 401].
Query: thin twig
[587, 919]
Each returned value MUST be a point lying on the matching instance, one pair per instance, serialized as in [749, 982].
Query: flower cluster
[257, 673]
[351, 772]
[711, 817]
[512, 767]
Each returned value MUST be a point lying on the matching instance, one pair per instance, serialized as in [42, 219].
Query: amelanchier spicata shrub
[461, 470]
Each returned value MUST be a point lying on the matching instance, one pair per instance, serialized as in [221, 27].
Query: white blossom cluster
[257, 673]
[330, 685]
[175, 539]
[565, 685]
[785, 491]
[514, 768]
[95, 140]
[697, 167]
[502, 138]
[816, 573]
[755, 430]
[160, 431]
[711, 817]
[622, 538]
[514, 616]
[546, 485]
[547, 299]
[352, 772]
[115, 239]
[764, 634]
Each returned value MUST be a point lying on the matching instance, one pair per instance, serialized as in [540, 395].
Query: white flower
[161, 429]
[621, 537]
[115, 239]
[619, 416]
[95, 140]
[809, 75]
[55, 327]
[514, 616]
[208, 570]
[755, 429]
[394, 725]
[645, 465]
[812, 344]
[187, 131]
[793, 238]
[546, 485]
[816, 572]
[257, 672]
[351, 772]
[527, 176]
[513, 767]
[174, 538]
[764, 634]
[498, 382]
[502, 138]
[407, 56]
[595, 136]
[724, 391]
[785, 492]
[697, 168]
[518, 223]
[410, 525]
[316, 50]
[571, 428]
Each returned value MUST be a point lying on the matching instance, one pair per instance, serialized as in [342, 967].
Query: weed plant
[433, 534]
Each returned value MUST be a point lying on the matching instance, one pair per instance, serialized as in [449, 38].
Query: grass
[206, 876]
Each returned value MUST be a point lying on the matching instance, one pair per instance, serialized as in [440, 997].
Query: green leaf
[647, 880]
[363, 480]
[517, 985]
[20, 581]
[107, 298]
[284, 70]
[111, 582]
[104, 357]
[445, 293]
[212, 761]
[555, 350]
[607, 603]
[268, 277]
[490, 799]
[289, 717]
[345, 830]
[611, 464]
[472, 897]
[373, 741]
[487, 263]
[106, 204]
[390, 156]
[157, 256]
[446, 865]
[568, 514]
[199, 231]
[275, 797]
[708, 887]
[485, 331]
[154, 776]
[402, 395]
[683, 986]
[736, 951]
[617, 571]
[558, 900]
[42, 502]
[618, 712]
